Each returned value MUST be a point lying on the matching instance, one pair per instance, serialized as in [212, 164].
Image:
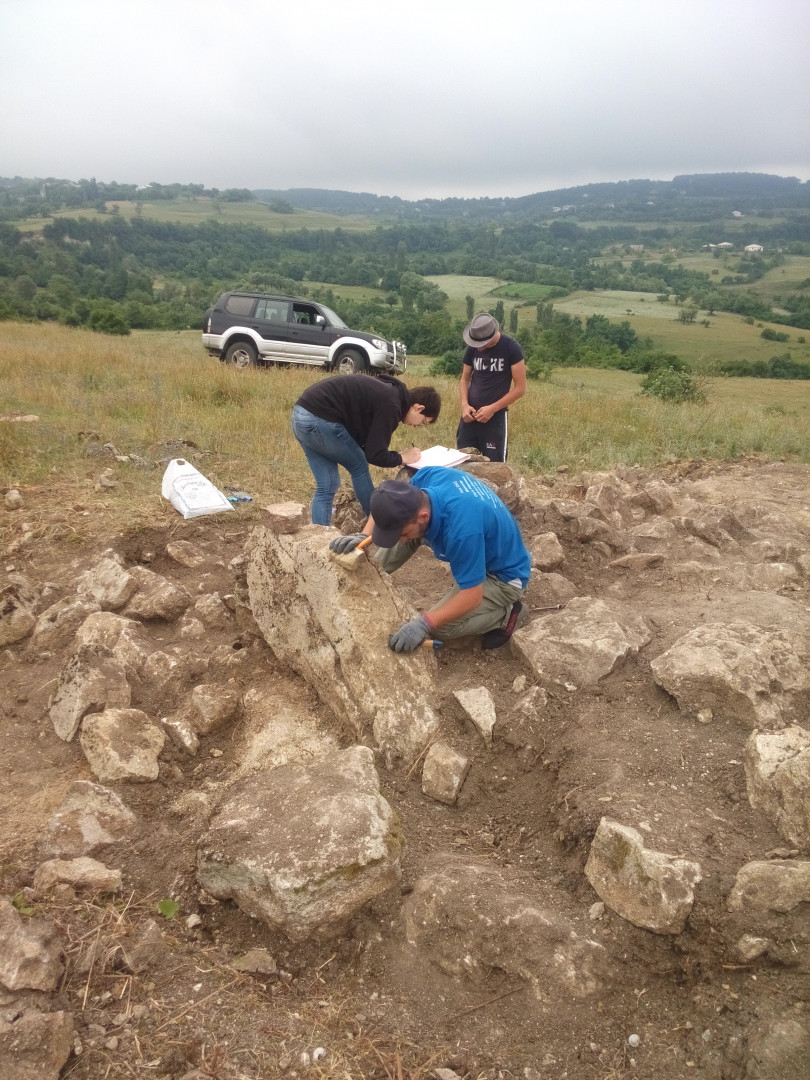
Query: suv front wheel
[351, 362]
[242, 354]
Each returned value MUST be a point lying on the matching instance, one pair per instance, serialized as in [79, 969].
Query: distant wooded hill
[696, 198]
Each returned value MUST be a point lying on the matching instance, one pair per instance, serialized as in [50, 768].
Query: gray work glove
[344, 544]
[410, 635]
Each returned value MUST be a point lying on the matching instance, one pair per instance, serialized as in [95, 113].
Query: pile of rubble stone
[302, 838]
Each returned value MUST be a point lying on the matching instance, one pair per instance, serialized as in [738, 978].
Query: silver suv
[249, 329]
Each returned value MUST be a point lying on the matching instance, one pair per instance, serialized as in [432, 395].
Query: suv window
[240, 305]
[273, 310]
[305, 313]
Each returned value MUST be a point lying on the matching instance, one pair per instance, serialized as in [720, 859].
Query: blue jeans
[327, 445]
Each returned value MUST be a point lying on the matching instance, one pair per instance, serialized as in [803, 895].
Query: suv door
[309, 335]
[271, 320]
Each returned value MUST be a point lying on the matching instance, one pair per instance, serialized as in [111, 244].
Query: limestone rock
[286, 517]
[167, 673]
[741, 672]
[122, 744]
[89, 818]
[502, 478]
[653, 537]
[58, 623]
[180, 731]
[91, 681]
[18, 600]
[331, 626]
[108, 584]
[443, 773]
[479, 708]
[213, 705]
[749, 947]
[773, 885]
[777, 771]
[607, 491]
[582, 644]
[31, 954]
[211, 611]
[552, 589]
[718, 526]
[257, 961]
[303, 847]
[279, 729]
[156, 597]
[639, 561]
[546, 551]
[471, 920]
[186, 554]
[648, 888]
[123, 637]
[36, 1046]
[81, 873]
[779, 1048]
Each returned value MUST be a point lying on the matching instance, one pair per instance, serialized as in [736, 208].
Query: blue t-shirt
[471, 529]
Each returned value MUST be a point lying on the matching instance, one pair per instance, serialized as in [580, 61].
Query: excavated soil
[375, 1006]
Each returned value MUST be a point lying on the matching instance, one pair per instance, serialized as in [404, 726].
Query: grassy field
[159, 396]
[458, 287]
[194, 211]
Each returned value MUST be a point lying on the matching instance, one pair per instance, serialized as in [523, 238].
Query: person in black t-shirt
[492, 377]
[348, 420]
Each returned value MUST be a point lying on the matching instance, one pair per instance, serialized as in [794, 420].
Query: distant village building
[736, 213]
[725, 246]
[754, 249]
[635, 247]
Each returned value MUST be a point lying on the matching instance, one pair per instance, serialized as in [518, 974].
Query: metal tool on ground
[432, 644]
[351, 559]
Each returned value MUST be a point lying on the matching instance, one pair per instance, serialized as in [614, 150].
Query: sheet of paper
[440, 455]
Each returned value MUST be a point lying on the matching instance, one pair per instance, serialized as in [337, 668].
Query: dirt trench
[373, 1004]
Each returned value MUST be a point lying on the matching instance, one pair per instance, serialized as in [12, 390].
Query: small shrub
[671, 385]
[449, 363]
[774, 335]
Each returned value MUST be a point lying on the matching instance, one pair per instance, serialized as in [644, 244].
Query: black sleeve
[383, 426]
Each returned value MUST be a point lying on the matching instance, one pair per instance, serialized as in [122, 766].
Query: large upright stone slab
[733, 671]
[303, 847]
[648, 888]
[582, 644]
[331, 626]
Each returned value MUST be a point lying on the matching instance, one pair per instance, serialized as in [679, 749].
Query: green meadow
[158, 395]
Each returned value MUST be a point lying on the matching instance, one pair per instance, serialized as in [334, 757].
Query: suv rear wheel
[351, 362]
[241, 354]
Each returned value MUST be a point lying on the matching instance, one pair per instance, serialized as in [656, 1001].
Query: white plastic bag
[189, 492]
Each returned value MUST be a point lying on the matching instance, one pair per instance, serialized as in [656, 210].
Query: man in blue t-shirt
[466, 525]
[493, 375]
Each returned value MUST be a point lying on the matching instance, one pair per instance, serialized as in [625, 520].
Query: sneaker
[494, 639]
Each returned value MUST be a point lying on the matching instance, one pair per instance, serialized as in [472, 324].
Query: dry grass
[158, 396]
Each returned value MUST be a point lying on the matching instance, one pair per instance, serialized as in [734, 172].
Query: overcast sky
[421, 98]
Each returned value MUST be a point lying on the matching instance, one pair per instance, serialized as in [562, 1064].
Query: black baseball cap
[393, 504]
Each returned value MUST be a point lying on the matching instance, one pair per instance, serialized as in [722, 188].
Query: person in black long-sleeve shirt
[348, 420]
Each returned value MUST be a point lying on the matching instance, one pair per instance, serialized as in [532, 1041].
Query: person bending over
[466, 525]
[493, 375]
[348, 420]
